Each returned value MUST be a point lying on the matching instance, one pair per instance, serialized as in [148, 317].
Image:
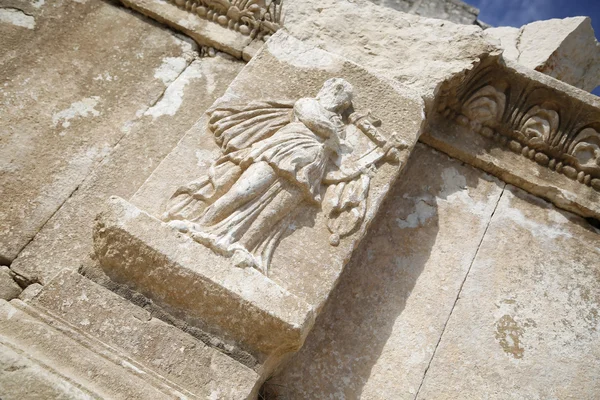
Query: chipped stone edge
[112, 355]
[274, 304]
[203, 32]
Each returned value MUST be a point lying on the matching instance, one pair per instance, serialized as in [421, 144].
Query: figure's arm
[345, 175]
[314, 116]
[390, 152]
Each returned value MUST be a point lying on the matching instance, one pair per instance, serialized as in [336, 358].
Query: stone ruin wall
[450, 251]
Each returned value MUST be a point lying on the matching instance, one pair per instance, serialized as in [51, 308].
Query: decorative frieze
[532, 120]
[530, 130]
[255, 18]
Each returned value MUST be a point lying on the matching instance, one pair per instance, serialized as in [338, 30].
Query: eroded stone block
[43, 356]
[197, 285]
[416, 51]
[9, 289]
[70, 89]
[65, 241]
[565, 49]
[266, 197]
[526, 322]
[163, 352]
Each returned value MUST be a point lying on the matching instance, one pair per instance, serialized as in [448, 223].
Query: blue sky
[520, 12]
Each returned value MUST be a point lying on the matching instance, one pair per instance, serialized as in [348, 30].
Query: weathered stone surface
[51, 359]
[69, 89]
[451, 10]
[378, 333]
[66, 239]
[24, 378]
[528, 129]
[299, 76]
[419, 52]
[9, 289]
[157, 347]
[526, 322]
[565, 49]
[196, 285]
[307, 260]
[205, 33]
[30, 292]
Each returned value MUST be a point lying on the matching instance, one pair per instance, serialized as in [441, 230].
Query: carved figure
[278, 156]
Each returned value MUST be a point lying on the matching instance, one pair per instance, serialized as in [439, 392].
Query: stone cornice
[529, 129]
[236, 27]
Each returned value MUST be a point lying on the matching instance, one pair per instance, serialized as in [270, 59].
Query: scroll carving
[276, 158]
[532, 121]
[256, 18]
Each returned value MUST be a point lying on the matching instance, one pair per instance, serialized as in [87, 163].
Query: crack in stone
[460, 291]
[32, 280]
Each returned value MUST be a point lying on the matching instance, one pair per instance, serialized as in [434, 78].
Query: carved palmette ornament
[532, 121]
[278, 157]
[255, 18]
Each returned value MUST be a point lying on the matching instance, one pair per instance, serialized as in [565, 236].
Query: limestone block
[195, 284]
[304, 240]
[156, 351]
[526, 323]
[565, 49]
[30, 292]
[51, 359]
[66, 239]
[188, 21]
[23, 378]
[378, 333]
[416, 51]
[70, 88]
[9, 289]
[530, 130]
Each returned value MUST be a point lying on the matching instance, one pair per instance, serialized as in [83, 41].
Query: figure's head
[335, 95]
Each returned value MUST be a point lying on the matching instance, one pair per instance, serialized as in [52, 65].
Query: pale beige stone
[416, 51]
[24, 378]
[270, 308]
[196, 285]
[30, 292]
[70, 89]
[205, 33]
[530, 130]
[565, 49]
[526, 323]
[378, 333]
[9, 289]
[46, 357]
[299, 76]
[66, 239]
[165, 353]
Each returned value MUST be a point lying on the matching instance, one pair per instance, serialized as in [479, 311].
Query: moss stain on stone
[508, 334]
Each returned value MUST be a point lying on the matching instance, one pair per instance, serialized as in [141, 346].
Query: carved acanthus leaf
[485, 106]
[530, 120]
[586, 149]
[540, 126]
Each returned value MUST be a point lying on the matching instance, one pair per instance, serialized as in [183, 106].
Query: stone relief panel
[277, 157]
[255, 18]
[532, 120]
